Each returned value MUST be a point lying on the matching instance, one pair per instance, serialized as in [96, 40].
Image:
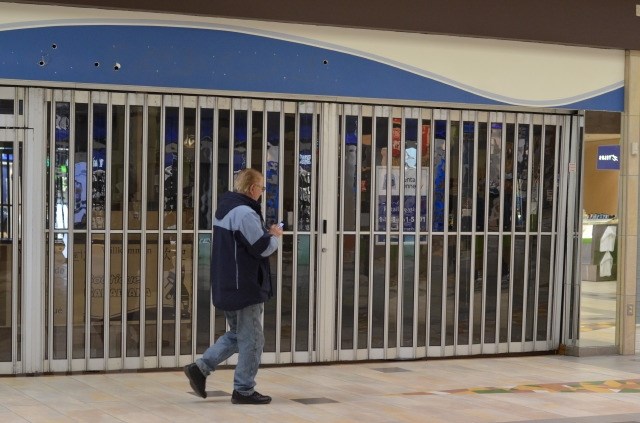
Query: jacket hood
[230, 200]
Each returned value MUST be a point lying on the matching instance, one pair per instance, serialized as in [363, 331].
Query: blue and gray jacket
[240, 274]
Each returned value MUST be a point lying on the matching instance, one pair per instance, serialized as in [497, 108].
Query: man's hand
[276, 231]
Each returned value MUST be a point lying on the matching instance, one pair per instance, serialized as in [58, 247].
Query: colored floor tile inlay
[604, 386]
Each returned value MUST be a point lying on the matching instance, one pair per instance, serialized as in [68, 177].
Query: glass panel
[348, 259]
[272, 213]
[410, 174]
[189, 168]
[393, 292]
[169, 279]
[96, 326]
[302, 293]
[378, 307]
[134, 293]
[287, 299]
[47, 295]
[153, 168]
[206, 169]
[452, 264]
[81, 144]
[7, 107]
[186, 295]
[61, 182]
[493, 286]
[544, 288]
[531, 286]
[464, 291]
[136, 143]
[363, 291]
[495, 166]
[204, 293]
[423, 299]
[599, 284]
[21, 252]
[304, 172]
[481, 163]
[522, 166]
[505, 287]
[454, 175]
[99, 167]
[365, 177]
[151, 312]
[239, 140]
[272, 193]
[477, 284]
[256, 139]
[270, 307]
[439, 175]
[535, 179]
[79, 293]
[220, 322]
[8, 209]
[170, 165]
[519, 265]
[288, 193]
[118, 189]
[48, 203]
[223, 152]
[408, 278]
[350, 174]
[425, 176]
[435, 306]
[549, 177]
[468, 163]
[508, 178]
[6, 278]
[115, 297]
[60, 263]
[383, 181]
[305, 186]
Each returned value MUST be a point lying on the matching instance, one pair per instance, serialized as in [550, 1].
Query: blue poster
[608, 157]
[391, 180]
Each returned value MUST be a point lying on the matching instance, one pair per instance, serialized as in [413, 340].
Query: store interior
[599, 249]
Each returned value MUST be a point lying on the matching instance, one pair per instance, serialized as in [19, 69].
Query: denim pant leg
[250, 340]
[223, 348]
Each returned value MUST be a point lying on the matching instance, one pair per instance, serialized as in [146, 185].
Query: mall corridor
[525, 389]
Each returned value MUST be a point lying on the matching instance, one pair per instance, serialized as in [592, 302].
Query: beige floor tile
[38, 413]
[10, 417]
[363, 393]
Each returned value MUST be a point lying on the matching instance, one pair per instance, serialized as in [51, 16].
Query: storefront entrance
[409, 232]
[11, 246]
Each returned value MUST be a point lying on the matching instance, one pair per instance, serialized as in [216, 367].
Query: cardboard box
[115, 288]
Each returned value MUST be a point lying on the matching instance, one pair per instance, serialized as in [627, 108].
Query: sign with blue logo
[608, 157]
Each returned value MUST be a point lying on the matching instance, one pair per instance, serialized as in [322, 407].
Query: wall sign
[608, 157]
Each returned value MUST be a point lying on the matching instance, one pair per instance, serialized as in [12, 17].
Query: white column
[628, 208]
[33, 225]
[328, 194]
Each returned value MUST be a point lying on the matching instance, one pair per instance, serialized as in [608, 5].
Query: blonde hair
[245, 178]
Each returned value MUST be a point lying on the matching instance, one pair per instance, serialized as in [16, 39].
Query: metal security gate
[409, 232]
[12, 137]
[131, 188]
[449, 229]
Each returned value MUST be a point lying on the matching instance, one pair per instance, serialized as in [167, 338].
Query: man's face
[256, 190]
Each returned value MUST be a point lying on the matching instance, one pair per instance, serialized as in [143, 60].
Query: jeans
[244, 337]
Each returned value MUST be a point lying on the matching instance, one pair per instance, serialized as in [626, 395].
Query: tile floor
[508, 389]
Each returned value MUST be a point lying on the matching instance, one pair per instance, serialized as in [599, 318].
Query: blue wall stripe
[179, 57]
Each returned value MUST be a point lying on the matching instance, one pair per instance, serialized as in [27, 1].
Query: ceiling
[592, 23]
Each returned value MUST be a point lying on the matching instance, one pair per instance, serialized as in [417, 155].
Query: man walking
[240, 284]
